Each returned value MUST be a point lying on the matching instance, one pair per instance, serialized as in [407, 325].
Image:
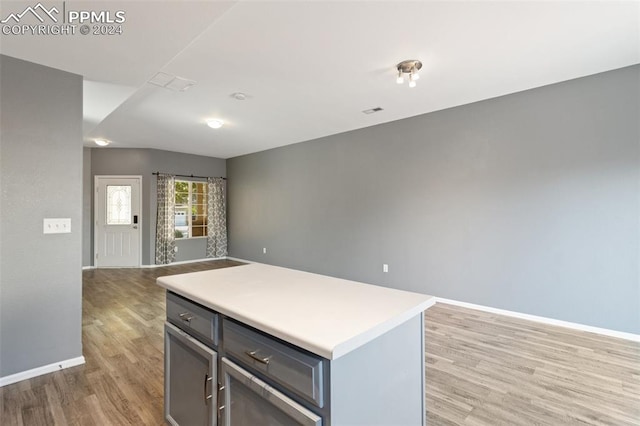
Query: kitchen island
[291, 347]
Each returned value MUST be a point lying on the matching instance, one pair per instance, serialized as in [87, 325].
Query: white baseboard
[544, 320]
[84, 268]
[237, 259]
[206, 259]
[39, 371]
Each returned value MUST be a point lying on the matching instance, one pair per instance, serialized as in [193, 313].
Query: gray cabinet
[249, 402]
[295, 370]
[222, 371]
[196, 320]
[190, 380]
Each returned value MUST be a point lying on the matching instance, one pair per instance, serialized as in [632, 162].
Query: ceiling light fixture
[239, 96]
[102, 142]
[215, 123]
[411, 67]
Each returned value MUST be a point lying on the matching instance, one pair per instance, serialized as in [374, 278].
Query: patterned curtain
[166, 220]
[216, 218]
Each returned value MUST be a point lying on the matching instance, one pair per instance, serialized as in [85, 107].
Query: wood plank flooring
[482, 369]
[485, 369]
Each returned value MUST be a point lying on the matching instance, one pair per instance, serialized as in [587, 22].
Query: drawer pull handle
[186, 317]
[252, 355]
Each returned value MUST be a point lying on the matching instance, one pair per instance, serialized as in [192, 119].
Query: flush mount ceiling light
[215, 123]
[102, 142]
[411, 67]
[239, 96]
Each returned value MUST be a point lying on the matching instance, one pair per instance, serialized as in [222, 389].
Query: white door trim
[96, 180]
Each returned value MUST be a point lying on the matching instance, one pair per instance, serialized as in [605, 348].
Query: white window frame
[189, 208]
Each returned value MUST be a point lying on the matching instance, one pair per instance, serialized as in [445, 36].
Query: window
[191, 209]
[118, 205]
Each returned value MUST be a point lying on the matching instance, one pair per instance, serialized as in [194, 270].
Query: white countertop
[327, 316]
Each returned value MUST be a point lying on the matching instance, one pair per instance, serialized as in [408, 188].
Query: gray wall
[120, 161]
[41, 176]
[527, 202]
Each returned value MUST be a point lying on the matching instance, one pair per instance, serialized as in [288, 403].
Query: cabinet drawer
[294, 369]
[192, 318]
[249, 401]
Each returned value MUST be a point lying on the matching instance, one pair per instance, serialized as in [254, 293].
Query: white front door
[117, 221]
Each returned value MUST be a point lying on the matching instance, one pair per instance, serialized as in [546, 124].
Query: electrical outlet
[175, 249]
[385, 267]
[264, 250]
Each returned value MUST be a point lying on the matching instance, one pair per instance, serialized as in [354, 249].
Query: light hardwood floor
[487, 369]
[482, 369]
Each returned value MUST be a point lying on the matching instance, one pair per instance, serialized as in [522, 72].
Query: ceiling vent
[372, 110]
[171, 82]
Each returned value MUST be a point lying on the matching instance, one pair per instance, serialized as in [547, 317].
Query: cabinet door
[190, 380]
[249, 402]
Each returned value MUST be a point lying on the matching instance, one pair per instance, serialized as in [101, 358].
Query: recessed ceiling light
[215, 123]
[102, 142]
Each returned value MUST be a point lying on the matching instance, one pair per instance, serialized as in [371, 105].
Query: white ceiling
[310, 68]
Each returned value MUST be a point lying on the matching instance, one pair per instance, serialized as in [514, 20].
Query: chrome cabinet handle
[221, 407]
[186, 317]
[207, 379]
[252, 355]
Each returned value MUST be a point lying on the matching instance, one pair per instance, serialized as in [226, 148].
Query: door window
[118, 205]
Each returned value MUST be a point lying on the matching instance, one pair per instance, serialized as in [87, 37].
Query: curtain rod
[189, 176]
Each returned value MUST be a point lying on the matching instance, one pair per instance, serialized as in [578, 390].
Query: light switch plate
[56, 225]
